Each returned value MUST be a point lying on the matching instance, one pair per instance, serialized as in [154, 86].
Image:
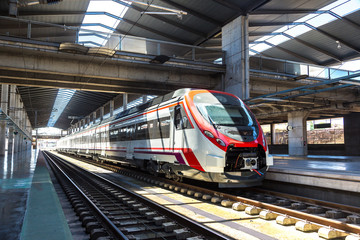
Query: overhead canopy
[327, 44]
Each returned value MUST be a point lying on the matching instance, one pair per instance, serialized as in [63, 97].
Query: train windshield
[223, 110]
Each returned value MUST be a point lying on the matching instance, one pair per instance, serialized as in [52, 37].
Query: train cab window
[181, 121]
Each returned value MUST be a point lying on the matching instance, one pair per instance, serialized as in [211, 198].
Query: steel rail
[181, 219]
[310, 200]
[105, 219]
[266, 206]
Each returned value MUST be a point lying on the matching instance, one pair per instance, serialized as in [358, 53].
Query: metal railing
[310, 71]
[54, 33]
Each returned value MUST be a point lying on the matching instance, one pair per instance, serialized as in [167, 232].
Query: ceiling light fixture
[338, 44]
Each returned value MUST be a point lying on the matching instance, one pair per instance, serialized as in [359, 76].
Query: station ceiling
[201, 26]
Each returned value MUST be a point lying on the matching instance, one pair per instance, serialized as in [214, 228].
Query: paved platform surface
[44, 217]
[335, 172]
[16, 173]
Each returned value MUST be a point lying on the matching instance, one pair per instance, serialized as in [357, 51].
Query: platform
[29, 206]
[16, 173]
[333, 172]
[44, 217]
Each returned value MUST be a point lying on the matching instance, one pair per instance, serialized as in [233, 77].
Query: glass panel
[325, 131]
[318, 72]
[281, 133]
[335, 73]
[297, 30]
[272, 65]
[267, 132]
[277, 39]
[321, 20]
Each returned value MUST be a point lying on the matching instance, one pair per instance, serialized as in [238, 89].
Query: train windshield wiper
[208, 117]
[212, 122]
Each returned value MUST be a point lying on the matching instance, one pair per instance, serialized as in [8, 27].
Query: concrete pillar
[144, 98]
[2, 137]
[4, 98]
[12, 101]
[236, 44]
[4, 108]
[125, 101]
[94, 117]
[11, 140]
[352, 134]
[273, 136]
[101, 113]
[17, 107]
[111, 105]
[297, 133]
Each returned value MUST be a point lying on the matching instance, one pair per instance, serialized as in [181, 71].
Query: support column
[111, 106]
[297, 133]
[144, 98]
[273, 135]
[4, 108]
[236, 44]
[101, 113]
[352, 134]
[94, 117]
[11, 140]
[88, 120]
[125, 101]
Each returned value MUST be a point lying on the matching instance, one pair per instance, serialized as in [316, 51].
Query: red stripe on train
[188, 153]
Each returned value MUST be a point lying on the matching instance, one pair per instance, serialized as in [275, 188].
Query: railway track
[109, 211]
[330, 220]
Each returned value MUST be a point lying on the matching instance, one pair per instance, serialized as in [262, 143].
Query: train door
[177, 131]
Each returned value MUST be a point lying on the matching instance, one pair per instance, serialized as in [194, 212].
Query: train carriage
[201, 134]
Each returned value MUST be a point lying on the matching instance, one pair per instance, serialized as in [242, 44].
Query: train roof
[177, 93]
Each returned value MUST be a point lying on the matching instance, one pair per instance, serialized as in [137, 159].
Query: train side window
[165, 127]
[180, 119]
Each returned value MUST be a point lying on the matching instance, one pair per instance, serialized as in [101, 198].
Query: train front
[231, 145]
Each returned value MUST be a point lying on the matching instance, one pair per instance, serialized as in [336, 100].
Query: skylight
[62, 99]
[100, 21]
[102, 16]
[326, 14]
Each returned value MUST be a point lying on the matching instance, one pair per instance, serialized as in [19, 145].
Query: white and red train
[200, 134]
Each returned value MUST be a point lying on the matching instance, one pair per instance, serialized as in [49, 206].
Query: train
[200, 134]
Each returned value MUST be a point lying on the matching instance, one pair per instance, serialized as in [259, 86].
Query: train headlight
[209, 134]
[220, 142]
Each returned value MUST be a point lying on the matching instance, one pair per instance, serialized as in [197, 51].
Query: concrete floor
[16, 173]
[321, 163]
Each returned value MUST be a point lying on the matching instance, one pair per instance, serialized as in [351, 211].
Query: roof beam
[139, 9]
[137, 25]
[193, 12]
[163, 19]
[284, 11]
[329, 35]
[230, 5]
[313, 47]
[49, 13]
[292, 53]
[75, 86]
